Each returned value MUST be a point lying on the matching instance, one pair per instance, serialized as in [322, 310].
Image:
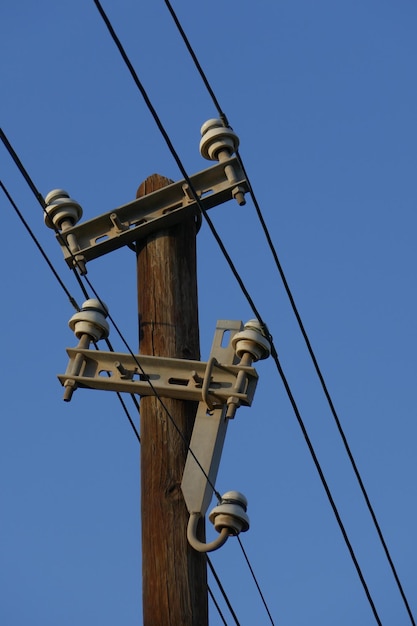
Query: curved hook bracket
[200, 546]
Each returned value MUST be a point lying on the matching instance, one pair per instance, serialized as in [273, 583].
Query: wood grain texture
[174, 575]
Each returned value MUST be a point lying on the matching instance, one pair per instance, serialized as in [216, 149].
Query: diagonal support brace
[209, 431]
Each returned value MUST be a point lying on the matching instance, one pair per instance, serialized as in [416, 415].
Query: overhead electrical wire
[66, 291]
[331, 405]
[156, 394]
[184, 173]
[175, 155]
[224, 594]
[216, 604]
[193, 192]
[290, 296]
[325, 485]
[40, 199]
[73, 302]
[71, 299]
[255, 580]
[22, 170]
[75, 305]
[227, 258]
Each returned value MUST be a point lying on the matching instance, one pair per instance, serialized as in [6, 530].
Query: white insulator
[231, 513]
[216, 138]
[251, 340]
[60, 208]
[91, 320]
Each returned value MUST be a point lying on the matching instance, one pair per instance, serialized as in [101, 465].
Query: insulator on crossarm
[61, 210]
[251, 340]
[91, 320]
[217, 141]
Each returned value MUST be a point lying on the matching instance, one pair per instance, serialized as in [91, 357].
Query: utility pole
[174, 575]
[186, 404]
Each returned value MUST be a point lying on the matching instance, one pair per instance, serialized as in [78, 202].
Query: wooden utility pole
[174, 575]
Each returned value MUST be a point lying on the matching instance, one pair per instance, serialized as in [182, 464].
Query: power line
[330, 402]
[296, 313]
[40, 199]
[196, 62]
[24, 173]
[66, 291]
[230, 263]
[217, 579]
[46, 258]
[156, 394]
[38, 196]
[174, 154]
[216, 604]
[42, 202]
[184, 173]
[73, 302]
[239, 280]
[325, 485]
[255, 580]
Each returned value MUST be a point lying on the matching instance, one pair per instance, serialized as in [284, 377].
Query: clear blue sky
[324, 97]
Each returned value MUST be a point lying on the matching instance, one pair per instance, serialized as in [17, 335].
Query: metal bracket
[214, 381]
[155, 211]
[209, 431]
